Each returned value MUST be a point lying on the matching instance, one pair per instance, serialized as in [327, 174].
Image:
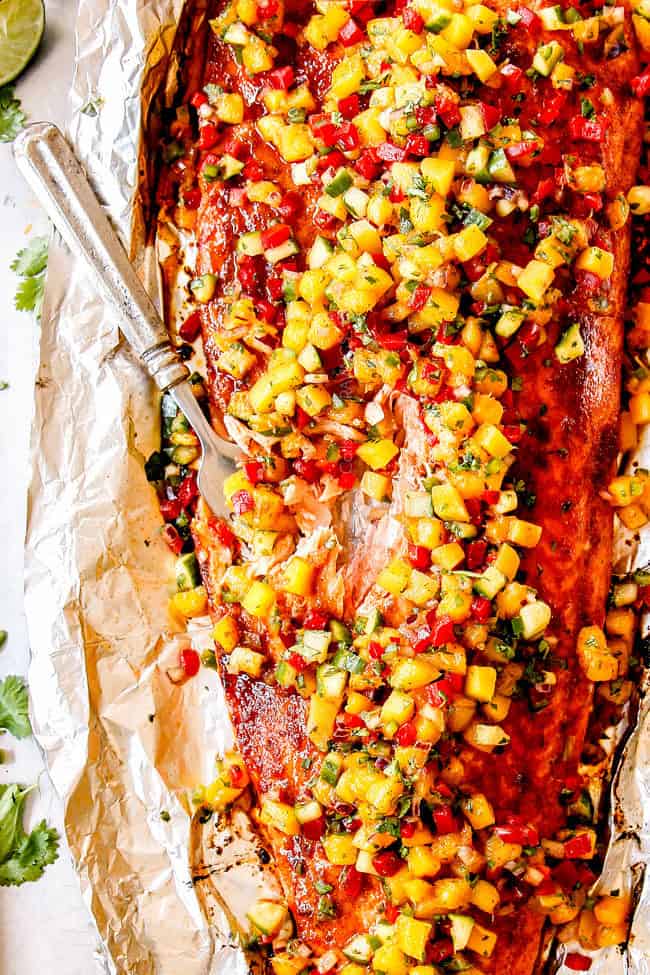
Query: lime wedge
[22, 23]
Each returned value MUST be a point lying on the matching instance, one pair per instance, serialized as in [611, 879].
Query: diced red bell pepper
[475, 554]
[208, 136]
[199, 98]
[316, 620]
[314, 829]
[332, 160]
[551, 107]
[347, 136]
[191, 327]
[253, 170]
[349, 107]
[236, 147]
[475, 268]
[320, 123]
[406, 735]
[545, 188]
[388, 863]
[393, 341]
[348, 449]
[173, 539]
[518, 833]
[442, 630]
[396, 195]
[254, 471]
[523, 152]
[188, 490]
[190, 662]
[281, 78]
[223, 532]
[445, 690]
[192, 198]
[247, 272]
[577, 962]
[412, 20]
[297, 661]
[367, 165]
[425, 115]
[445, 820]
[275, 286]
[588, 129]
[267, 8]
[290, 205]
[417, 145]
[641, 84]
[408, 828]
[347, 480]
[512, 78]
[529, 19]
[419, 557]
[447, 109]
[590, 201]
[481, 608]
[306, 469]
[491, 115]
[350, 883]
[375, 650]
[351, 34]
[242, 502]
[266, 310]
[391, 913]
[390, 153]
[578, 847]
[275, 235]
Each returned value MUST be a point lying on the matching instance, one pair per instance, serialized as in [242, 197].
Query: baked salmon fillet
[413, 248]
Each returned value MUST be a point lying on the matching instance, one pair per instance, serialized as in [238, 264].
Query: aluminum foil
[124, 746]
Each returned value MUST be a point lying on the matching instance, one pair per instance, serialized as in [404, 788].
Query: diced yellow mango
[192, 602]
[340, 849]
[478, 810]
[259, 599]
[412, 936]
[422, 862]
[377, 453]
[448, 504]
[313, 399]
[226, 633]
[491, 439]
[596, 261]
[535, 280]
[298, 575]
[280, 816]
[394, 578]
[482, 941]
[469, 242]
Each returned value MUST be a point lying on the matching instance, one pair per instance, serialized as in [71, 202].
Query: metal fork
[55, 175]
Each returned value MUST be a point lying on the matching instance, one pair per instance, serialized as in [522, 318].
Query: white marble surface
[45, 927]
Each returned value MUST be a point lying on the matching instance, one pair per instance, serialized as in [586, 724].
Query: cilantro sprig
[12, 117]
[23, 856]
[14, 707]
[30, 264]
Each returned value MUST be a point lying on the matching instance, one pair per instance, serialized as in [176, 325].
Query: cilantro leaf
[14, 716]
[31, 260]
[23, 857]
[29, 294]
[12, 117]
